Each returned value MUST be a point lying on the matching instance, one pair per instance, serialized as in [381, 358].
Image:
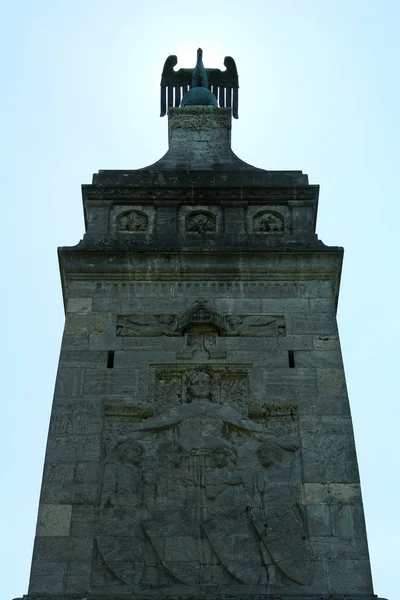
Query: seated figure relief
[208, 498]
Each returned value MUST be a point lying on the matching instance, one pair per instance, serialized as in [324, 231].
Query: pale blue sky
[319, 92]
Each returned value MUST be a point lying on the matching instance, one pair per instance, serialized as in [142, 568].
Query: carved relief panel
[226, 383]
[130, 220]
[200, 220]
[270, 221]
[200, 494]
[133, 220]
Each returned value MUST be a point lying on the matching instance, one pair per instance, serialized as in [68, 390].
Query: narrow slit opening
[110, 359]
[291, 359]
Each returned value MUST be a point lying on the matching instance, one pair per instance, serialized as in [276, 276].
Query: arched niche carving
[268, 221]
[133, 220]
[200, 222]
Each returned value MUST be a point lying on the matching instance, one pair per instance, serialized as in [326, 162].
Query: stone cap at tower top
[200, 138]
[200, 141]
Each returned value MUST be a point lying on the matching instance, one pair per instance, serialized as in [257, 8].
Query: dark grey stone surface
[212, 595]
[200, 444]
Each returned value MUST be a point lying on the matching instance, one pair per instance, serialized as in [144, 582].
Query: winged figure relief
[223, 84]
[256, 325]
[150, 325]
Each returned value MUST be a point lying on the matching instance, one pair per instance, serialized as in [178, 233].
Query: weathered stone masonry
[200, 442]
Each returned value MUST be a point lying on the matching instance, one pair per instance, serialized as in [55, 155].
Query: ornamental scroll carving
[268, 222]
[200, 495]
[133, 221]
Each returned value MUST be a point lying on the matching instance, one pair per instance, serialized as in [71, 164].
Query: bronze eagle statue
[223, 84]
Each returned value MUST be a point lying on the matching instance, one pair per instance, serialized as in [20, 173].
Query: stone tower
[200, 442]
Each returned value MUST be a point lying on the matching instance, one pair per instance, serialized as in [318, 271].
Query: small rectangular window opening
[291, 359]
[110, 359]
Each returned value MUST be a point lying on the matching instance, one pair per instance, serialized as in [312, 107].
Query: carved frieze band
[200, 315]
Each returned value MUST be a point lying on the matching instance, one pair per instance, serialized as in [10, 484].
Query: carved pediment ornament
[201, 314]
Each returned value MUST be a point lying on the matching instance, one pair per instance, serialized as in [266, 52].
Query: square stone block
[320, 305]
[331, 493]
[349, 576]
[75, 342]
[69, 493]
[59, 472]
[83, 358]
[80, 306]
[285, 305]
[78, 576]
[61, 548]
[74, 423]
[71, 448]
[326, 342]
[110, 381]
[68, 382]
[348, 521]
[54, 520]
[290, 383]
[95, 323]
[318, 358]
[331, 382]
[47, 577]
[319, 520]
[322, 323]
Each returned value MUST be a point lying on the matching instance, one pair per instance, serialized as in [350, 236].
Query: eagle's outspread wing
[225, 85]
[173, 84]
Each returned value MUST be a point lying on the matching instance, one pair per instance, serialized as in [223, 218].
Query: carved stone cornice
[103, 262]
[187, 193]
